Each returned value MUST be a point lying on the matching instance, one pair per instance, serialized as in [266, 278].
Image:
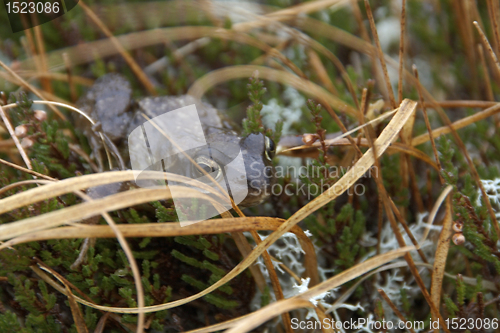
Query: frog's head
[254, 163]
[258, 151]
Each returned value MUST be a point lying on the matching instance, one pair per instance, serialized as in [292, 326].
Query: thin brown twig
[359, 20]
[487, 45]
[427, 123]
[274, 280]
[486, 74]
[380, 54]
[393, 307]
[321, 72]
[31, 172]
[460, 104]
[13, 135]
[402, 221]
[30, 43]
[494, 24]
[69, 73]
[128, 58]
[43, 58]
[342, 127]
[366, 38]
[402, 51]
[380, 222]
[417, 196]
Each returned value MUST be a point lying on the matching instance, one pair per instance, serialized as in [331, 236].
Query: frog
[109, 102]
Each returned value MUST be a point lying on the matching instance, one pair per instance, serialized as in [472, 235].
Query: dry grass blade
[435, 208]
[234, 225]
[208, 81]
[323, 318]
[441, 255]
[288, 13]
[262, 315]
[72, 184]
[96, 207]
[418, 140]
[77, 313]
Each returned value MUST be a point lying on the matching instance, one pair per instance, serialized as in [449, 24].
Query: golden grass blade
[168, 229]
[264, 314]
[435, 208]
[96, 207]
[19, 183]
[288, 13]
[403, 223]
[76, 312]
[460, 104]
[69, 77]
[245, 248]
[441, 255]
[322, 317]
[208, 81]
[215, 226]
[31, 75]
[72, 184]
[418, 140]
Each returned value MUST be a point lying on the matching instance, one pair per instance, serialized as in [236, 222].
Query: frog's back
[156, 106]
[109, 103]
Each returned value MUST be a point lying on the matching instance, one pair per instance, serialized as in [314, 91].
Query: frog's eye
[209, 166]
[270, 148]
